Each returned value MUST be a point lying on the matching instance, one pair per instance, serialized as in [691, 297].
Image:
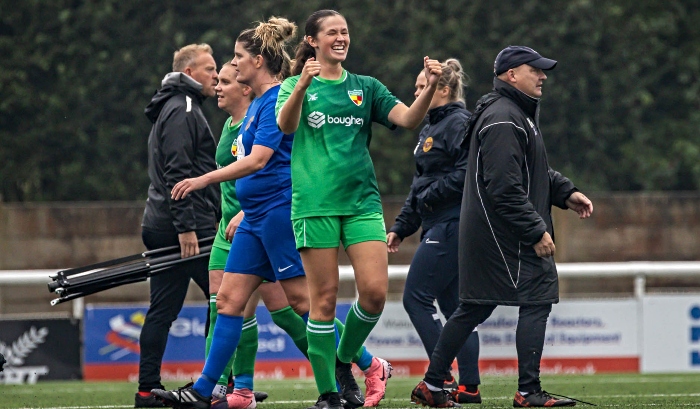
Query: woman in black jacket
[434, 204]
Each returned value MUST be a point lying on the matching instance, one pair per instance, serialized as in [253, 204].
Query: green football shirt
[226, 152]
[332, 172]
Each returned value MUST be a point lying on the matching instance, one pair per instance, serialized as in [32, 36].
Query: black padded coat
[506, 208]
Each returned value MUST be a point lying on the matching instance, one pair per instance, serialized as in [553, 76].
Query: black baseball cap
[517, 55]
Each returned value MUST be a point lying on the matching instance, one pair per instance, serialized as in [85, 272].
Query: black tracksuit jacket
[436, 190]
[507, 202]
[180, 146]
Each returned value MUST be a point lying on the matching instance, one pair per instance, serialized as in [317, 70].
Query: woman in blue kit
[263, 186]
[263, 247]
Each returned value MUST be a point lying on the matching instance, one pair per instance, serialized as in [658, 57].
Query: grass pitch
[620, 391]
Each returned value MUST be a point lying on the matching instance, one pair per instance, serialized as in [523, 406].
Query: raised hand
[433, 70]
[311, 69]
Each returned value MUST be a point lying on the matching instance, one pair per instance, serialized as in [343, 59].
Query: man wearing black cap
[506, 235]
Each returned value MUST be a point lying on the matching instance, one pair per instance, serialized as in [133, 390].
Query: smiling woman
[332, 112]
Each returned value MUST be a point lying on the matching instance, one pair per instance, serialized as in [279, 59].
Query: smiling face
[529, 80]
[230, 93]
[332, 41]
[203, 70]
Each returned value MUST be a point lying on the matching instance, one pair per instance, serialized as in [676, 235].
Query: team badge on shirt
[356, 96]
[428, 144]
[234, 147]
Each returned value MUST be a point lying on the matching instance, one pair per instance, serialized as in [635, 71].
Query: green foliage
[620, 111]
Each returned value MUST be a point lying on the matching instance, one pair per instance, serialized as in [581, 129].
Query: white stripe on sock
[362, 316]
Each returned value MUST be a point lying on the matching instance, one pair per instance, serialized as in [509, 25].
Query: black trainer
[328, 401]
[185, 397]
[149, 401]
[540, 399]
[422, 395]
[350, 392]
[260, 396]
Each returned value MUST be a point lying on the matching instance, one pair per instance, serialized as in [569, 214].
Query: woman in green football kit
[335, 196]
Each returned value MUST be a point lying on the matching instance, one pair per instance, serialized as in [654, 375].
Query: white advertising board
[671, 326]
[575, 329]
[606, 328]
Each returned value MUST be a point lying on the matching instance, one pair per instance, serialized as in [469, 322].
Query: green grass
[626, 391]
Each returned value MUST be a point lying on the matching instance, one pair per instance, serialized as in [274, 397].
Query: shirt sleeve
[383, 101]
[285, 91]
[267, 133]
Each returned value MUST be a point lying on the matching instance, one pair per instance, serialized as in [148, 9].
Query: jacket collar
[528, 104]
[437, 114]
[174, 83]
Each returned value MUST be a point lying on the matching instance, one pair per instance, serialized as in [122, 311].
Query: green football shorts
[329, 231]
[217, 258]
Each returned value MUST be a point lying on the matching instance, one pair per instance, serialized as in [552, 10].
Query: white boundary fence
[639, 271]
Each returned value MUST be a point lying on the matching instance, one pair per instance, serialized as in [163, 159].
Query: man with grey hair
[180, 146]
[506, 236]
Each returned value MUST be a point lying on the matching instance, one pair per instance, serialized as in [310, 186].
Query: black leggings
[529, 341]
[168, 291]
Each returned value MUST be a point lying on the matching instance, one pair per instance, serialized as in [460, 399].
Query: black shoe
[462, 395]
[185, 397]
[328, 401]
[540, 399]
[424, 396]
[451, 384]
[260, 396]
[149, 401]
[350, 393]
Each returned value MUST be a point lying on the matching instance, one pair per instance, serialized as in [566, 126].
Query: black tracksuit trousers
[434, 275]
[529, 341]
[168, 291]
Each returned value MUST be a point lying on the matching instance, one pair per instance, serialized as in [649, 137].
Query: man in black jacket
[180, 146]
[506, 235]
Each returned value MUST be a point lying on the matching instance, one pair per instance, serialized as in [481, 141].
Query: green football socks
[321, 338]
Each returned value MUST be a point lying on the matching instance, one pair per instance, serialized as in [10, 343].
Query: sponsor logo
[316, 119]
[286, 268]
[15, 372]
[695, 336]
[428, 144]
[312, 97]
[431, 241]
[356, 96]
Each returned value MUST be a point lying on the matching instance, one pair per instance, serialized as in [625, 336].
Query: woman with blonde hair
[263, 187]
[433, 205]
